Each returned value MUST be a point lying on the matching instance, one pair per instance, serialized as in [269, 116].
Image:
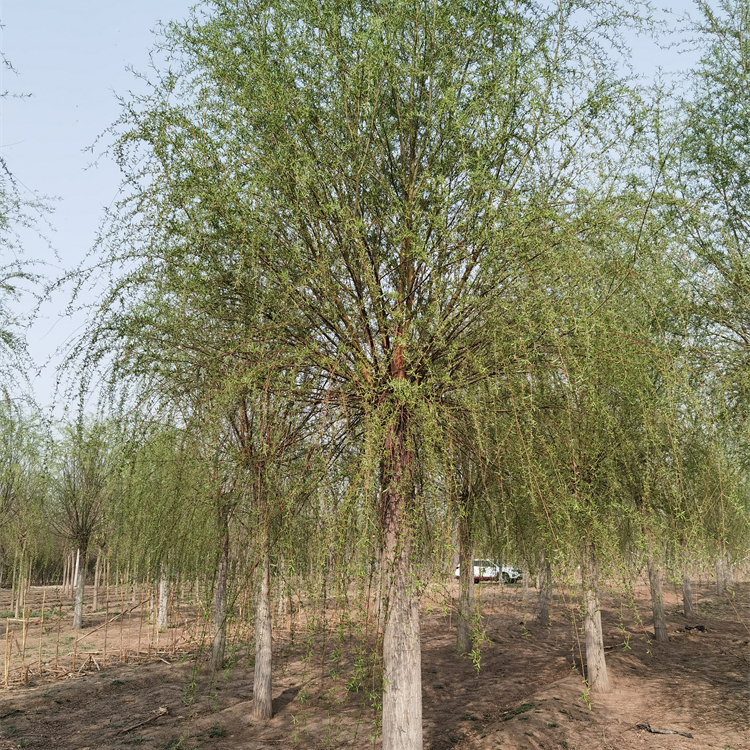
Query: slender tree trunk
[596, 666]
[657, 601]
[97, 576]
[262, 683]
[545, 588]
[728, 574]
[721, 584]
[282, 590]
[524, 586]
[66, 565]
[220, 598]
[72, 572]
[465, 585]
[14, 587]
[402, 659]
[80, 583]
[687, 596]
[161, 619]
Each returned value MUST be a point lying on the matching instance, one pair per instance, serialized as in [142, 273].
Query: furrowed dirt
[527, 694]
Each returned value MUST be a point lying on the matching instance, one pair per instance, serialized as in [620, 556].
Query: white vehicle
[487, 570]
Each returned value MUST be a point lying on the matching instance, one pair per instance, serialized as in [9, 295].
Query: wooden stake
[75, 652]
[130, 625]
[25, 629]
[140, 626]
[7, 653]
[152, 617]
[122, 618]
[41, 630]
[14, 588]
[57, 648]
[106, 610]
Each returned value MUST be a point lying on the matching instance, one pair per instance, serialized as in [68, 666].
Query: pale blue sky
[72, 57]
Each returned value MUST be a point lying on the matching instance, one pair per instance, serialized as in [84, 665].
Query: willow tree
[184, 330]
[465, 495]
[710, 180]
[267, 457]
[82, 486]
[19, 276]
[23, 488]
[392, 178]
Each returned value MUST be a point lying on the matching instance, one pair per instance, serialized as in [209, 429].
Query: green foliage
[24, 483]
[385, 274]
[712, 186]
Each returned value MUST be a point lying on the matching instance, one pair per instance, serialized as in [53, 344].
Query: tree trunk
[161, 618]
[728, 574]
[262, 683]
[465, 587]
[74, 579]
[220, 599]
[97, 577]
[545, 587]
[281, 611]
[596, 666]
[657, 601]
[687, 596]
[80, 583]
[402, 670]
[66, 565]
[524, 587]
[14, 587]
[721, 584]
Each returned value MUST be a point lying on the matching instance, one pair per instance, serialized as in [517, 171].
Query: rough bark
[465, 587]
[596, 666]
[402, 672]
[687, 596]
[220, 600]
[262, 684]
[80, 582]
[545, 588]
[657, 601]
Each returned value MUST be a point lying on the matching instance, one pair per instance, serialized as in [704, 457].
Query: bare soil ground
[527, 694]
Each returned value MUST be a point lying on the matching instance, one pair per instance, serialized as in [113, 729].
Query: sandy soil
[528, 693]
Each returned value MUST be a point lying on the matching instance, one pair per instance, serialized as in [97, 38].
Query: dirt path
[527, 694]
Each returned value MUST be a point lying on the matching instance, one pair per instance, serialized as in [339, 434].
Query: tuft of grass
[217, 731]
[523, 708]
